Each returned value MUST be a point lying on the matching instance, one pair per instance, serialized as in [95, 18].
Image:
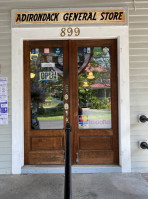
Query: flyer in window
[3, 101]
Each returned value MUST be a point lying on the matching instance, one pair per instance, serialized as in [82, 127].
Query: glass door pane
[94, 87]
[46, 77]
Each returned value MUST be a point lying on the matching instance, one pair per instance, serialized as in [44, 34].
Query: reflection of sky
[104, 60]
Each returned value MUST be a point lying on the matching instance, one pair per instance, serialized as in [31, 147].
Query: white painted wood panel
[141, 45]
[142, 32]
[5, 151]
[138, 58]
[5, 158]
[137, 65]
[4, 144]
[67, 4]
[137, 19]
[138, 39]
[139, 79]
[139, 12]
[5, 170]
[138, 51]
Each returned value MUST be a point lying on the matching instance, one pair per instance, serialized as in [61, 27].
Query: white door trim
[53, 33]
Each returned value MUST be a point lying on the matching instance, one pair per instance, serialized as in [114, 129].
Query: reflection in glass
[46, 76]
[94, 87]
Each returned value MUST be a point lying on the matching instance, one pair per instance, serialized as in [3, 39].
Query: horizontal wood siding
[138, 43]
[5, 61]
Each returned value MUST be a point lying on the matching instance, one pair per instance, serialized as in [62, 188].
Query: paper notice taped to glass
[3, 101]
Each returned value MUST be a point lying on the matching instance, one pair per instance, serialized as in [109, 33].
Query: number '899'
[70, 32]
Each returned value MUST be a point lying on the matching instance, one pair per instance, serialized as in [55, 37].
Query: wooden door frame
[114, 95]
[71, 78]
[91, 32]
[28, 132]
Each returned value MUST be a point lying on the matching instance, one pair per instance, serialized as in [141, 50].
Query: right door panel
[94, 101]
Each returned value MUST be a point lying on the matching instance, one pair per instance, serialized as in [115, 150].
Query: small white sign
[48, 65]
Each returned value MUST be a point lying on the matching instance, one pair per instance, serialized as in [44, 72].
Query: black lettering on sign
[31, 17]
[52, 17]
[65, 17]
[102, 15]
[23, 17]
[120, 15]
[56, 16]
[46, 75]
[48, 17]
[111, 16]
[107, 13]
[75, 16]
[50, 75]
[44, 18]
[116, 16]
[36, 17]
[70, 16]
[80, 16]
[84, 16]
[18, 18]
[94, 17]
[90, 16]
[42, 75]
[40, 17]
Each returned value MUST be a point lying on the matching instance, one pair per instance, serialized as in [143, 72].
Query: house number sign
[70, 32]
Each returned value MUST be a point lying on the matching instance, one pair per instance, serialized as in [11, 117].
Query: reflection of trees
[45, 89]
[55, 89]
[100, 66]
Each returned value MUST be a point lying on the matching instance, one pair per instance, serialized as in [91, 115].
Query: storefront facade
[57, 58]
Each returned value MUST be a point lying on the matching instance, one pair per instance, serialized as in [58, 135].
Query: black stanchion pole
[68, 184]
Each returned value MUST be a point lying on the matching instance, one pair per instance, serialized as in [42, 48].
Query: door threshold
[60, 169]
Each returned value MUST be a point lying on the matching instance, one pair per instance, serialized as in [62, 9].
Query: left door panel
[45, 77]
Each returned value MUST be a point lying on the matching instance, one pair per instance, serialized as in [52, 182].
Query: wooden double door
[71, 81]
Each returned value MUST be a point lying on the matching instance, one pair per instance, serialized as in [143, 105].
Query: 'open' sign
[48, 76]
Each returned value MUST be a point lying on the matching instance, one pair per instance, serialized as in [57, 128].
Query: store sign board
[102, 16]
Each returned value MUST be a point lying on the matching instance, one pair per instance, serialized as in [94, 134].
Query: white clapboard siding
[139, 79]
[137, 65]
[138, 50]
[136, 132]
[139, 39]
[5, 144]
[65, 3]
[5, 170]
[5, 61]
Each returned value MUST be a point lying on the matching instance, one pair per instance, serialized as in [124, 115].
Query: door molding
[53, 33]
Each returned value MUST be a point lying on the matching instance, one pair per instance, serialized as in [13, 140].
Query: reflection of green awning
[97, 51]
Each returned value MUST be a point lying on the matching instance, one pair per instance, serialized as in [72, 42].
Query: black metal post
[68, 184]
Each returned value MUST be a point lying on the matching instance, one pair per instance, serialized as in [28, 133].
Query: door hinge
[77, 157]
